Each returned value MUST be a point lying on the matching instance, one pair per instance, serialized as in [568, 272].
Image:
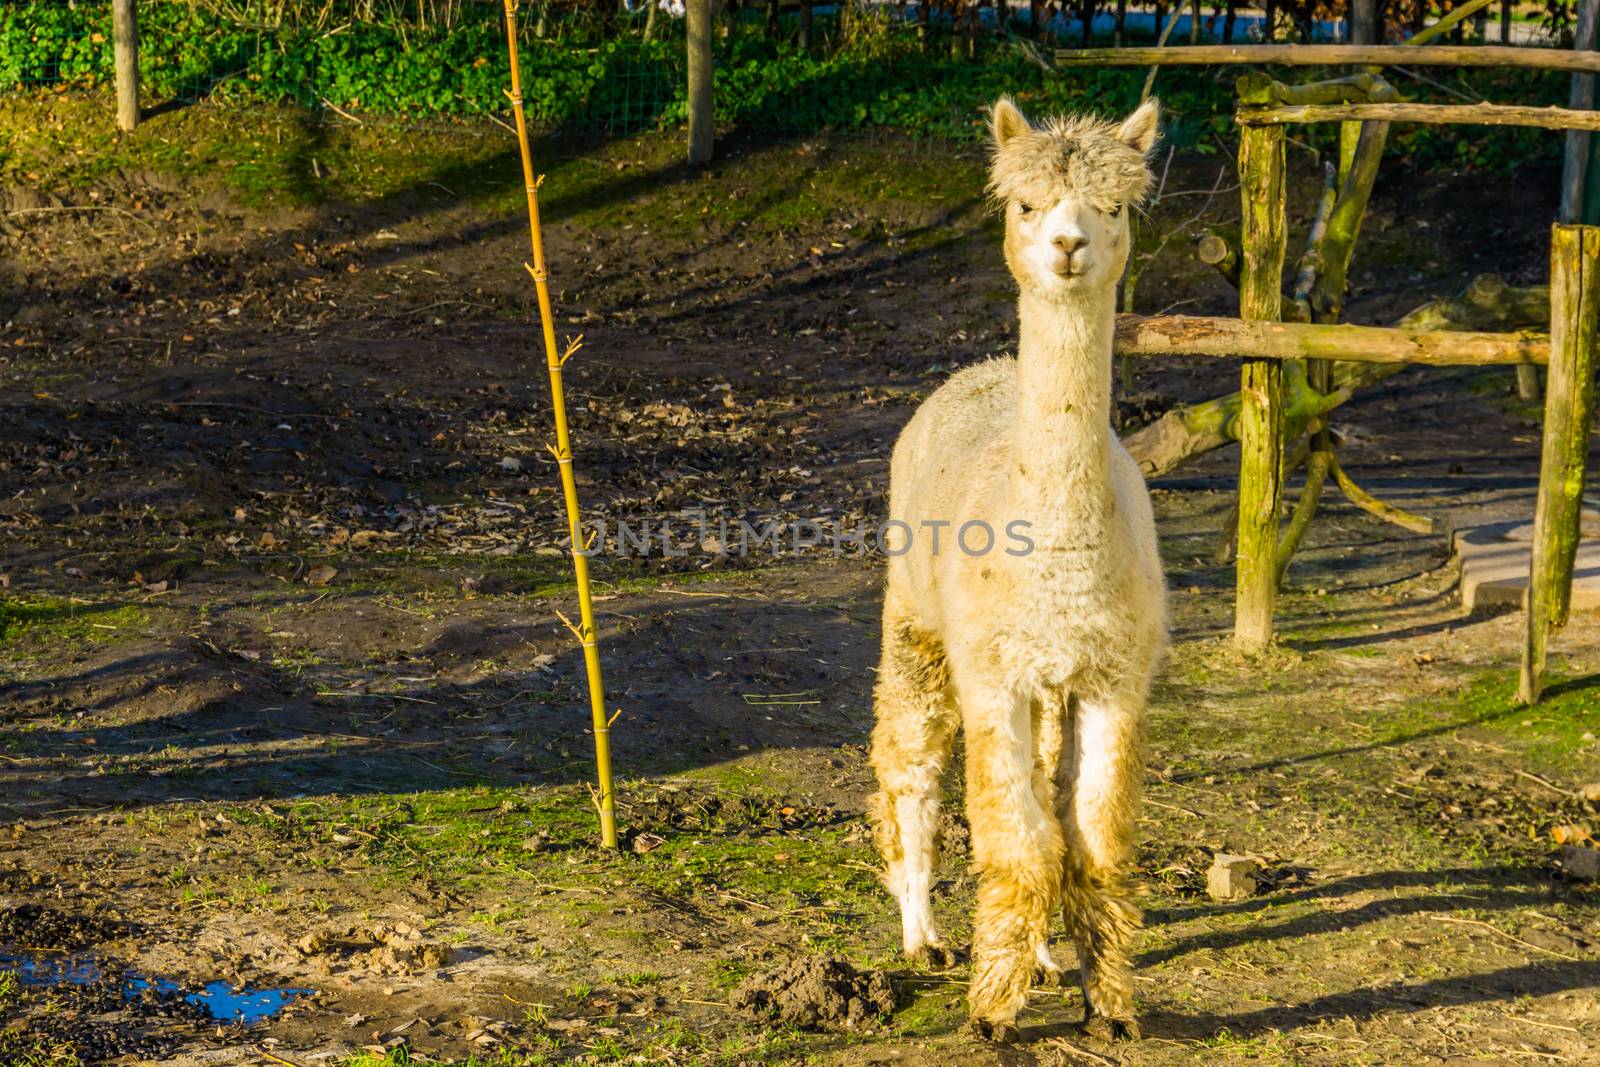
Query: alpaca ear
[1008, 122]
[1140, 129]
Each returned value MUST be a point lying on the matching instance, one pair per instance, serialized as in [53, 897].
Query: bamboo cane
[585, 631]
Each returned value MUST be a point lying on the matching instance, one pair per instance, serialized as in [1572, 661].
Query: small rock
[1581, 862]
[321, 575]
[511, 463]
[1231, 877]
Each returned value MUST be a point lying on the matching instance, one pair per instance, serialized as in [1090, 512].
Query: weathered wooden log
[1549, 118]
[1568, 409]
[1331, 55]
[1263, 234]
[1261, 90]
[1372, 505]
[1220, 251]
[1311, 260]
[1344, 224]
[1194, 430]
[1222, 338]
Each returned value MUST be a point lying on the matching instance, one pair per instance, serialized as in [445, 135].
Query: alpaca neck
[1062, 437]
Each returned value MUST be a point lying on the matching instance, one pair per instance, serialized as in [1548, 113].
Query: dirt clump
[381, 948]
[818, 993]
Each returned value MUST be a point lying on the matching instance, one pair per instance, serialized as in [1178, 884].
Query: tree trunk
[125, 37]
[701, 102]
[1228, 20]
[1364, 22]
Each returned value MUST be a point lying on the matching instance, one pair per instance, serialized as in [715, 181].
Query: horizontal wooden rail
[1550, 118]
[1334, 55]
[1194, 335]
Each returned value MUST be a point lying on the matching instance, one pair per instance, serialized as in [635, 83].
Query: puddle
[220, 1000]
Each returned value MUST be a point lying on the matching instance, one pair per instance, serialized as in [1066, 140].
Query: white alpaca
[1043, 656]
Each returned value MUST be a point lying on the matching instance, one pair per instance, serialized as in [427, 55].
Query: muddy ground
[285, 703]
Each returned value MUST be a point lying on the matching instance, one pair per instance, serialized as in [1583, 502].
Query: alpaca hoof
[1111, 1031]
[1000, 1033]
[935, 957]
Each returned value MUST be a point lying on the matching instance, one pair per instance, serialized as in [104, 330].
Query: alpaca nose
[1068, 243]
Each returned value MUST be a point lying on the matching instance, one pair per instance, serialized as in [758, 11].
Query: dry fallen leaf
[1570, 833]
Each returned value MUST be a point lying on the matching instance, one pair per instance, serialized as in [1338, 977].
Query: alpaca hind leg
[911, 743]
[1017, 851]
[1107, 770]
[1049, 741]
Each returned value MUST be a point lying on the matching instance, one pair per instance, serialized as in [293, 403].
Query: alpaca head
[1066, 187]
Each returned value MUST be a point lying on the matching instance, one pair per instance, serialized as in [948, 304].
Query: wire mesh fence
[920, 74]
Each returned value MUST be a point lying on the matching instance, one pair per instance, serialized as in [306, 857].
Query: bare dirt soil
[286, 705]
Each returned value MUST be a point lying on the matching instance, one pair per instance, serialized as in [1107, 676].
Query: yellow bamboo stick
[585, 631]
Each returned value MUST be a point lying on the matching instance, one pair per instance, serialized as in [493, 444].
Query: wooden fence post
[125, 38]
[1261, 178]
[701, 124]
[1568, 408]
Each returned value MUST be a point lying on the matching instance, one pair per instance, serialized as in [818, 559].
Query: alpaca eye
[1115, 212]
[1024, 209]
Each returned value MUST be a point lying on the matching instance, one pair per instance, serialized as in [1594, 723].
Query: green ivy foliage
[625, 84]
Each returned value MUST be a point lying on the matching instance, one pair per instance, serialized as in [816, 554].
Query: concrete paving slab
[1494, 559]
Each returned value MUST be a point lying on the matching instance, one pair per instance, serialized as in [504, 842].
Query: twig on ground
[1543, 781]
[1541, 1022]
[337, 110]
[276, 1058]
[1510, 937]
[1174, 807]
[1066, 1047]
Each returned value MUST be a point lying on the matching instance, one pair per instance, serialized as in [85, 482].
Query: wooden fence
[1263, 343]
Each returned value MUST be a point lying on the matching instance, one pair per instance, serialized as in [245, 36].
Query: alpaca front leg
[1017, 850]
[1107, 773]
[910, 746]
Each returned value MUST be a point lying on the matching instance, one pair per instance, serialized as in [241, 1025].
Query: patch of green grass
[270, 156]
[725, 974]
[1549, 735]
[636, 979]
[18, 1049]
[56, 620]
[401, 1057]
